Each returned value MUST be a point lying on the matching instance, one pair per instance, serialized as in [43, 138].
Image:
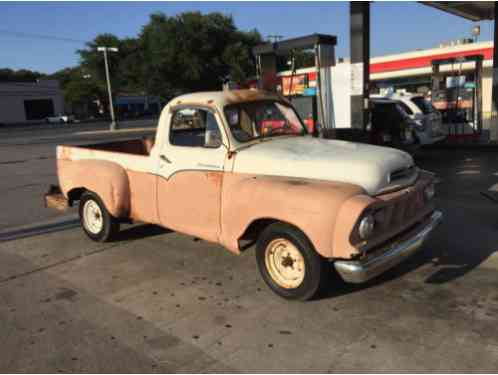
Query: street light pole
[114, 124]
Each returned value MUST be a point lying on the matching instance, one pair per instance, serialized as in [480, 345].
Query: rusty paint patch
[297, 182]
[215, 177]
[238, 96]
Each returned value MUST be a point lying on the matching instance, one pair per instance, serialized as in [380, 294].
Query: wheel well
[252, 232]
[250, 235]
[75, 195]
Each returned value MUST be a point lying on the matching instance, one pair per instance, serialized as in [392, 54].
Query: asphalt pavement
[159, 301]
[27, 165]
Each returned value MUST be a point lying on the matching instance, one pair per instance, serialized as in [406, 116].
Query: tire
[282, 247]
[104, 226]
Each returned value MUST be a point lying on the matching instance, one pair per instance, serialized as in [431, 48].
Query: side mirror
[212, 139]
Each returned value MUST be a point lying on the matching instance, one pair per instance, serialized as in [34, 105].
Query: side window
[194, 127]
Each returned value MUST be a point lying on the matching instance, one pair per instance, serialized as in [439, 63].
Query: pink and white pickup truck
[212, 173]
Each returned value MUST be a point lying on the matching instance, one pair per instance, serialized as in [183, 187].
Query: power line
[19, 34]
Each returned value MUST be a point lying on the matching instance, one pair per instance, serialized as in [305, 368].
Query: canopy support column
[360, 63]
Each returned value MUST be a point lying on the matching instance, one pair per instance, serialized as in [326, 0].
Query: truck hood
[376, 169]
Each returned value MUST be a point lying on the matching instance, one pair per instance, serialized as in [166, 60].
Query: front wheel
[288, 263]
[96, 221]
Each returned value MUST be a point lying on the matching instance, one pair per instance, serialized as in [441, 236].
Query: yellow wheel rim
[284, 263]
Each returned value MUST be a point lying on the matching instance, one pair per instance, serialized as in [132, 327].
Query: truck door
[191, 164]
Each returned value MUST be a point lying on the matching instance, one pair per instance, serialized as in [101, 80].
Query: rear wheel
[96, 221]
[288, 263]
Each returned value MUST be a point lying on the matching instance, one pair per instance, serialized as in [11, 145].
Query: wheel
[96, 221]
[288, 263]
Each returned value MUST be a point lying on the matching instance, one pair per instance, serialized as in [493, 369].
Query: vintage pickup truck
[211, 173]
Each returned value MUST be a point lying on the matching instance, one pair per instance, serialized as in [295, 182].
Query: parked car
[391, 126]
[60, 119]
[425, 119]
[303, 201]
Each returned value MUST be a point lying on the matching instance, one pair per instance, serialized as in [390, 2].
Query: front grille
[398, 213]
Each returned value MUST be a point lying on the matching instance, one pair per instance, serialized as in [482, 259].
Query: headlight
[429, 192]
[366, 227]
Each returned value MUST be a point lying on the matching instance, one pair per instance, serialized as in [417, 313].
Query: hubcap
[92, 217]
[284, 263]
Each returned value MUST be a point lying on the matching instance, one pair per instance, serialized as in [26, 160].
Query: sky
[395, 26]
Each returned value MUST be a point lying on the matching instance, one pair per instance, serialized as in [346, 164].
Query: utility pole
[114, 124]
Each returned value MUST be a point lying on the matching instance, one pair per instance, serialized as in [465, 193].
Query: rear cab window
[194, 127]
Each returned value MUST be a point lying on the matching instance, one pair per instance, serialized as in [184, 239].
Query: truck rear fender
[105, 178]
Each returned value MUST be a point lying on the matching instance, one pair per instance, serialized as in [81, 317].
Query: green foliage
[22, 75]
[79, 86]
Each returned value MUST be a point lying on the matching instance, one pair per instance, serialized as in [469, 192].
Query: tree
[238, 55]
[194, 51]
[92, 61]
[81, 89]
[22, 75]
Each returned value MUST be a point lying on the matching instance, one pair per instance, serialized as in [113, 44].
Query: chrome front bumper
[359, 271]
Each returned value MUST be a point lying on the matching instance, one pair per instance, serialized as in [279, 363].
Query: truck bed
[131, 153]
[140, 146]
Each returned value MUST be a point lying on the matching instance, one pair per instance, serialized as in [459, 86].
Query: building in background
[410, 71]
[24, 102]
[128, 106]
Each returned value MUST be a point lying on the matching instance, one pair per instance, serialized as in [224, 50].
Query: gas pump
[319, 103]
[459, 102]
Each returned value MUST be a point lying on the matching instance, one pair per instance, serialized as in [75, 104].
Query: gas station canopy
[471, 10]
[287, 46]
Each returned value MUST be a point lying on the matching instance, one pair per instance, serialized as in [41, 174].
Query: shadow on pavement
[468, 235]
[36, 230]
[140, 231]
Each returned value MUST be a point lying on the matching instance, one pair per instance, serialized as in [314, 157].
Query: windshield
[263, 119]
[424, 105]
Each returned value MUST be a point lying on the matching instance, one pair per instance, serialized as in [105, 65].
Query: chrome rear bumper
[359, 271]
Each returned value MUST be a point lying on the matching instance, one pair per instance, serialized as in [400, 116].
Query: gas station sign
[299, 84]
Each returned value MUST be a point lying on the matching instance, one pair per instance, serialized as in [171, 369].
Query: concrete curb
[103, 124]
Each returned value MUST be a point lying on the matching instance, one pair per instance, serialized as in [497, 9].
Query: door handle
[164, 158]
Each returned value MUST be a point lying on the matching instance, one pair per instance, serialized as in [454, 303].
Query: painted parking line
[49, 226]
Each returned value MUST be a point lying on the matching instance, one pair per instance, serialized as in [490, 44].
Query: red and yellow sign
[298, 85]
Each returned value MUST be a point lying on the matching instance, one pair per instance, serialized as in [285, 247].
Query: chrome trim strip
[361, 271]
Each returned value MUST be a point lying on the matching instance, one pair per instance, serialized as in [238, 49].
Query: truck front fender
[105, 178]
[310, 205]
